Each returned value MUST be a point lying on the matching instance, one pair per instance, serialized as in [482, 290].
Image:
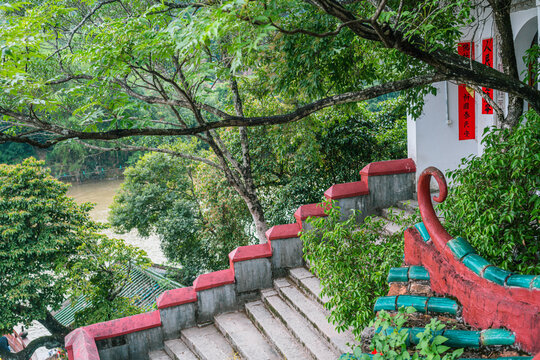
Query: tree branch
[233, 121]
[50, 342]
[79, 25]
[144, 148]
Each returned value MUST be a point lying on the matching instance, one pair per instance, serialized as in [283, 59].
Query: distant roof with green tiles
[144, 288]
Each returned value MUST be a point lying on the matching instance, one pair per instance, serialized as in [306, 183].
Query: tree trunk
[501, 15]
[255, 209]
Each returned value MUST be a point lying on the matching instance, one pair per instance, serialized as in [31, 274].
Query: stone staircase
[288, 322]
[266, 306]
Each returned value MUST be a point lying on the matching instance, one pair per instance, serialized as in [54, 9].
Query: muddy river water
[102, 194]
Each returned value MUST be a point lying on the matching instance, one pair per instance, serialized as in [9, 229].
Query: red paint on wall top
[286, 231]
[391, 167]
[214, 279]
[176, 297]
[305, 211]
[250, 252]
[126, 325]
[340, 191]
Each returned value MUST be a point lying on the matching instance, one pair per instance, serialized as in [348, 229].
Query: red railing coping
[250, 252]
[176, 297]
[340, 191]
[81, 345]
[125, 325]
[214, 279]
[308, 210]
[390, 167]
[286, 231]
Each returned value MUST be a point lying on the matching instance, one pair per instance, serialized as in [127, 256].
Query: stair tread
[305, 279]
[178, 350]
[278, 334]
[315, 314]
[208, 343]
[299, 327]
[245, 337]
[158, 355]
[389, 227]
[391, 212]
[411, 205]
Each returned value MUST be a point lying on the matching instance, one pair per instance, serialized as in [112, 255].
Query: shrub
[352, 262]
[495, 198]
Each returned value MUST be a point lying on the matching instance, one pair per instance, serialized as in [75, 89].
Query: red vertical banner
[487, 59]
[466, 106]
[466, 113]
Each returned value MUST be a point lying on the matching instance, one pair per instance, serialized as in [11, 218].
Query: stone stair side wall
[252, 268]
[490, 296]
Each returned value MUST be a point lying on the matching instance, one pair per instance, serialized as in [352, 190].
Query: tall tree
[50, 249]
[198, 60]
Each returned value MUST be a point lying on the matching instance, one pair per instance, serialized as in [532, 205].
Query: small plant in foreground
[390, 341]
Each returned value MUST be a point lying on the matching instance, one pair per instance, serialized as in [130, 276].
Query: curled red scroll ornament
[436, 231]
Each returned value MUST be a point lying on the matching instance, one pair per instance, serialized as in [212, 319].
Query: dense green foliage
[352, 262]
[328, 148]
[50, 250]
[494, 201]
[197, 217]
[40, 229]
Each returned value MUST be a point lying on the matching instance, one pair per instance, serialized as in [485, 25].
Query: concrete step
[276, 332]
[158, 355]
[309, 283]
[391, 213]
[299, 327]
[389, 227]
[408, 205]
[178, 350]
[244, 337]
[208, 343]
[315, 314]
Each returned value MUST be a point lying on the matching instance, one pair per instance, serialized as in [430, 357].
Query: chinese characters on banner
[487, 59]
[466, 108]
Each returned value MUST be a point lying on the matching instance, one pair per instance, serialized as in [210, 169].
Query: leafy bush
[495, 200]
[352, 262]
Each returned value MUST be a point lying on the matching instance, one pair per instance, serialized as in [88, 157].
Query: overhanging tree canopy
[118, 70]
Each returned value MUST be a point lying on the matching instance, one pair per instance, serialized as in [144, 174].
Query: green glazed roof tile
[497, 337]
[536, 283]
[475, 262]
[398, 274]
[442, 305]
[417, 302]
[387, 303]
[462, 338]
[496, 274]
[423, 231]
[418, 273]
[460, 247]
[524, 281]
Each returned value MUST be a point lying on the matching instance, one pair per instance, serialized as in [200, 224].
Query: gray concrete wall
[176, 318]
[286, 254]
[141, 342]
[215, 301]
[384, 191]
[252, 275]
